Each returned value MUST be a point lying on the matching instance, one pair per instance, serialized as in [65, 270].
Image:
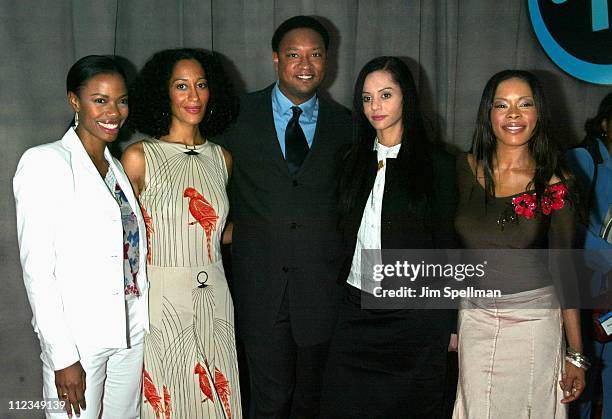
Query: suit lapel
[322, 131]
[366, 188]
[87, 179]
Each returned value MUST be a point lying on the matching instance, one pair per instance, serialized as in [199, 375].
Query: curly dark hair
[150, 100]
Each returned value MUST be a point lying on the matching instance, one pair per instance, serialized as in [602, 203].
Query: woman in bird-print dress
[190, 371]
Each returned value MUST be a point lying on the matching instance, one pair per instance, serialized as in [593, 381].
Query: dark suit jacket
[429, 225]
[285, 236]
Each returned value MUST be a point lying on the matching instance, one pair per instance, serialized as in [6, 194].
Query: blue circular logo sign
[576, 35]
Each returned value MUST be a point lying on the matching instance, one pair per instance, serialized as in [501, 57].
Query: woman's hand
[70, 385]
[572, 383]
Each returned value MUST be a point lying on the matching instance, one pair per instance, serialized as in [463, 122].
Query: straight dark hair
[542, 148]
[90, 66]
[414, 158]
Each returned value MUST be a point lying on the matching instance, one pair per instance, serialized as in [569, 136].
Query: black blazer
[285, 237]
[429, 225]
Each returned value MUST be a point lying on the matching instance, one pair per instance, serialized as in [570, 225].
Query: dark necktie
[296, 147]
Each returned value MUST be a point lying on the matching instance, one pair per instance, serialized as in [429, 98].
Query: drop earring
[76, 119]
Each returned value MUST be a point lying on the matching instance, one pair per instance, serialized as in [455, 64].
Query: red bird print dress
[190, 366]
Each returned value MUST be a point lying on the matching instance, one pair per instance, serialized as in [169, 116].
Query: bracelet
[576, 358]
[577, 363]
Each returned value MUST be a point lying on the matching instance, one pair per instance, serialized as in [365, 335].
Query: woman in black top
[513, 197]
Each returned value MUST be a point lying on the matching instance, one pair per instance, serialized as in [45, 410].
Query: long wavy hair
[414, 158]
[150, 111]
[542, 148]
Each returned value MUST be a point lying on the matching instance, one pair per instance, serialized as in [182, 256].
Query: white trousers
[113, 383]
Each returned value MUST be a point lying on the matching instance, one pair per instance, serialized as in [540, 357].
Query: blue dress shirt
[281, 110]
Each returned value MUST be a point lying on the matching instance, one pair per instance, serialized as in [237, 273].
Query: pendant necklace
[191, 150]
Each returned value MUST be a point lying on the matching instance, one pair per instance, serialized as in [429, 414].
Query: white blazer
[71, 246]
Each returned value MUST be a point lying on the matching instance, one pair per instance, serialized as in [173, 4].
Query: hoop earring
[76, 119]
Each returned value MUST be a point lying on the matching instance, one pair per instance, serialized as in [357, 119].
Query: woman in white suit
[83, 252]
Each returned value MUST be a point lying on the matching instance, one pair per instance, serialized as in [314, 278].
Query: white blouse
[368, 237]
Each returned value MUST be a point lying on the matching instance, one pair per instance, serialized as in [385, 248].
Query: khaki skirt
[510, 357]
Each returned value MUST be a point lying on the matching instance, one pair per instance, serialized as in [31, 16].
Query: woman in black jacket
[397, 191]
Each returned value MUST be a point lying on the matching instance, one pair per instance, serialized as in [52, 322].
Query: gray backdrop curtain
[452, 46]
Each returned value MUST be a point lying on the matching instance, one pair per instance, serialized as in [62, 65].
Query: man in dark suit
[286, 247]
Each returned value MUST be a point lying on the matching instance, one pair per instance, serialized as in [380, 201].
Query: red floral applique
[525, 205]
[554, 198]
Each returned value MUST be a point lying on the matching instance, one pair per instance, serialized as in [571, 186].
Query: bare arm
[561, 236]
[573, 381]
[133, 161]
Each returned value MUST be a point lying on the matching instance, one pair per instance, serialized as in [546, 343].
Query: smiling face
[300, 64]
[189, 94]
[514, 115]
[102, 105]
[382, 105]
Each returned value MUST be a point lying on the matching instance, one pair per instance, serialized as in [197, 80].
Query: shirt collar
[282, 105]
[383, 152]
[383, 148]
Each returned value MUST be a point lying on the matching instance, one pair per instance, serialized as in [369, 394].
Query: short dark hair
[150, 111]
[90, 66]
[604, 113]
[297, 22]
